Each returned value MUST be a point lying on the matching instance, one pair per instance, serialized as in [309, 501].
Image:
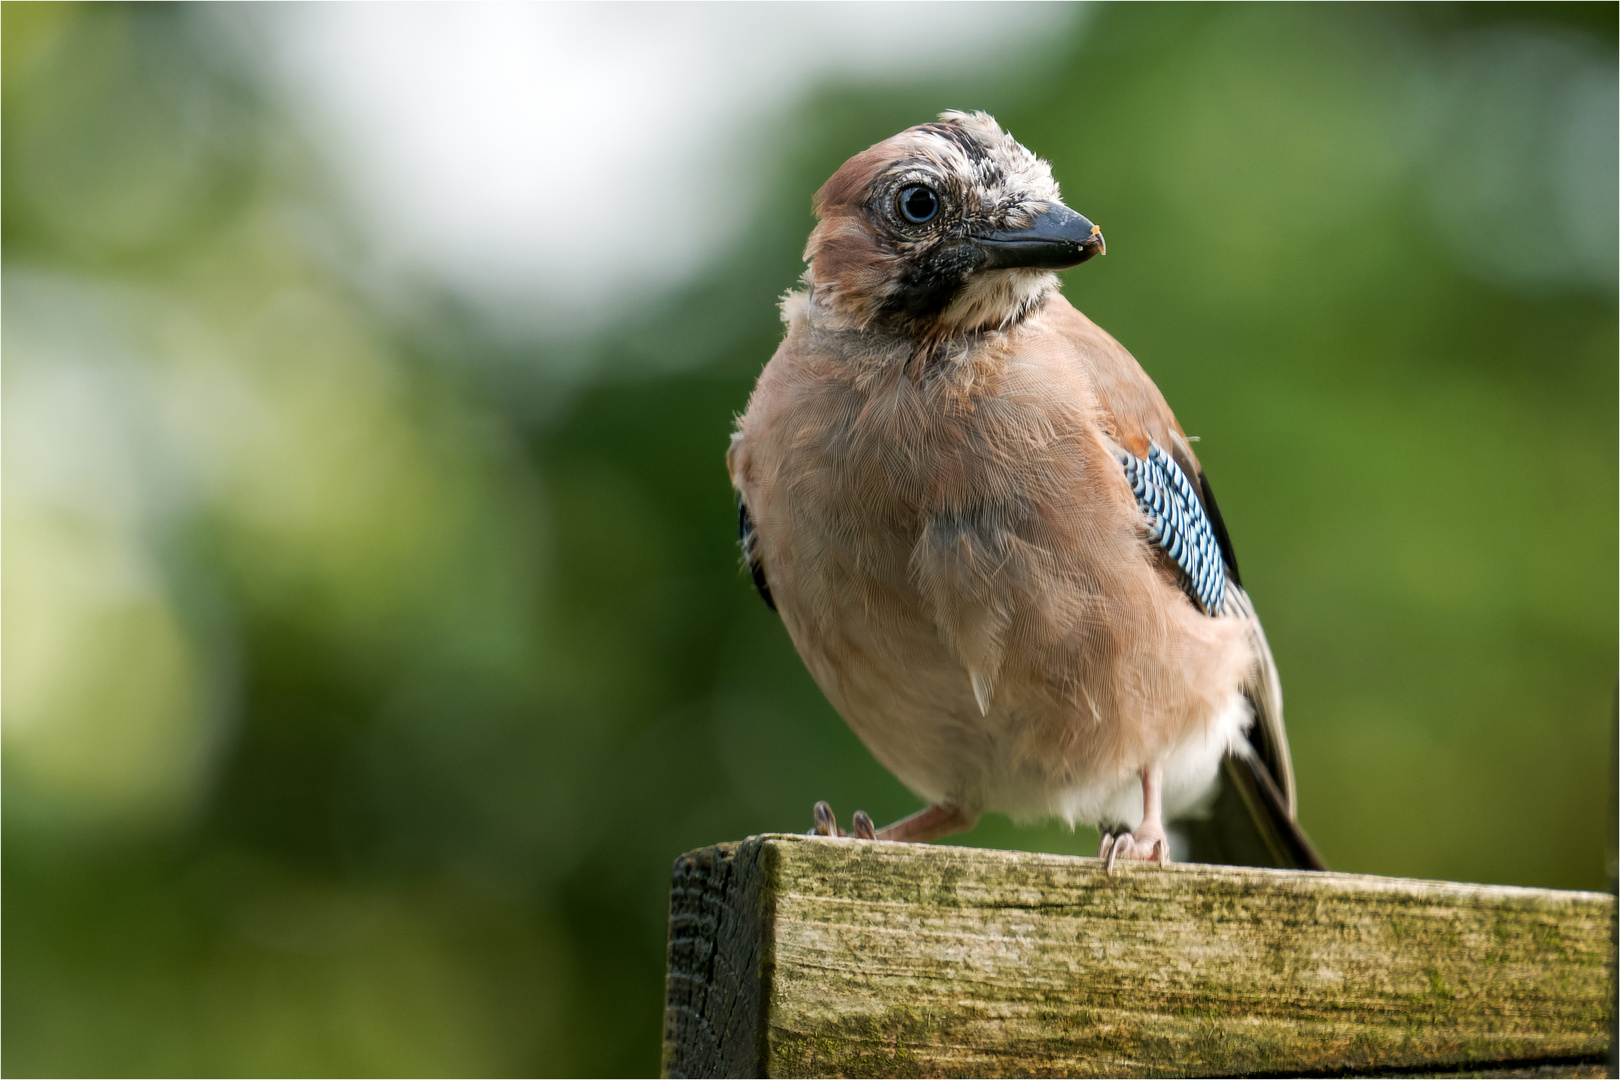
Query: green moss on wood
[891, 960]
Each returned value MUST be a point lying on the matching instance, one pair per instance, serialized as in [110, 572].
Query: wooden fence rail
[806, 956]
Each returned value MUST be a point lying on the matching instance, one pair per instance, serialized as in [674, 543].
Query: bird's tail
[1248, 824]
[1251, 822]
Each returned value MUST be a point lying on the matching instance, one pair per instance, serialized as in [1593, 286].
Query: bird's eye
[918, 204]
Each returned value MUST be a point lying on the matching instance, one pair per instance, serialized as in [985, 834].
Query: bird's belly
[883, 665]
[1190, 774]
[904, 696]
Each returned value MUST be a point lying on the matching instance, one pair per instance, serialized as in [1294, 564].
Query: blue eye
[918, 204]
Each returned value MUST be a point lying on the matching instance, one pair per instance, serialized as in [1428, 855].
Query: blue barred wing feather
[1178, 525]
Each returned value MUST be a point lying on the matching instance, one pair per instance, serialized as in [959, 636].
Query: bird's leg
[941, 819]
[930, 824]
[1146, 842]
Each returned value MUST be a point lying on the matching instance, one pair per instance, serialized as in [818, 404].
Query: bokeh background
[374, 636]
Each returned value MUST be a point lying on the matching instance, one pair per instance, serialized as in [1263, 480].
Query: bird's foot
[827, 824]
[941, 819]
[1145, 843]
[862, 826]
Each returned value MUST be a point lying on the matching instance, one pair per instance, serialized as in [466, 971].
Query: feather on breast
[960, 560]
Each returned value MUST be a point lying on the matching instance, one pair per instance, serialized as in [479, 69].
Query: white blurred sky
[542, 160]
[540, 156]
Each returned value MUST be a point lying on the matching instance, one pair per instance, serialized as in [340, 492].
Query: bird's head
[946, 228]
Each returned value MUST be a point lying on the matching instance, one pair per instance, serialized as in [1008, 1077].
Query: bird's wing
[1178, 525]
[750, 553]
[1253, 818]
[1268, 736]
[736, 456]
[1185, 523]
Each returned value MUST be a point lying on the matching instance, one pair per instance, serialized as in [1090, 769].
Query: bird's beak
[1057, 239]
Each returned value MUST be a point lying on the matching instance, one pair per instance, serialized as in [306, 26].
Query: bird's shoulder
[801, 394]
[1130, 407]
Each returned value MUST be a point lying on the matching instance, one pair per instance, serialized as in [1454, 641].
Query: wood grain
[802, 956]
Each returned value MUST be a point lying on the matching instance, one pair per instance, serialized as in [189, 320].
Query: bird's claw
[1144, 845]
[827, 823]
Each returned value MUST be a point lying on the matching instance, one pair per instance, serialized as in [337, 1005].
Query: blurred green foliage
[365, 670]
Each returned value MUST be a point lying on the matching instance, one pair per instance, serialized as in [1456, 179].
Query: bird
[986, 534]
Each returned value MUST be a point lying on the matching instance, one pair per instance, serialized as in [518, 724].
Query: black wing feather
[756, 568]
[1206, 495]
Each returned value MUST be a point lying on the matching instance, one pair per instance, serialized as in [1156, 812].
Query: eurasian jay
[987, 535]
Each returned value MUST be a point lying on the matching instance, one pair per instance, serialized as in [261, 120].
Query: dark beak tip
[1090, 247]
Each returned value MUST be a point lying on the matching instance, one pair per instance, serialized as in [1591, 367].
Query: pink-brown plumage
[945, 528]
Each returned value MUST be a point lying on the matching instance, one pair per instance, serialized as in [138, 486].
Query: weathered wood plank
[801, 956]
